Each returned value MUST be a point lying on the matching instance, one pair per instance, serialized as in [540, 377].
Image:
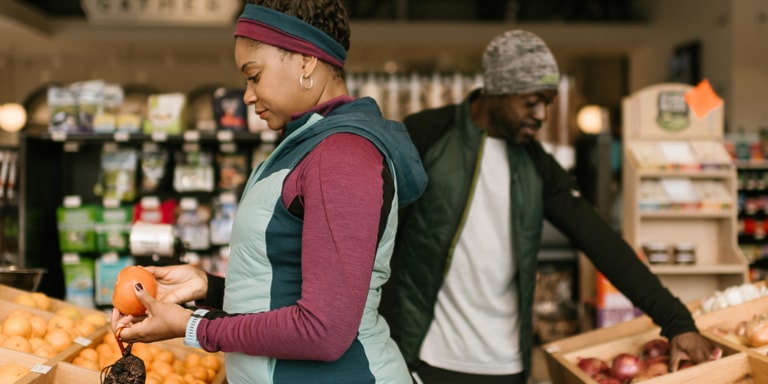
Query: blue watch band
[190, 335]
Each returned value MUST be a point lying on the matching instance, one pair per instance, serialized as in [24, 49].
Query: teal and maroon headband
[288, 32]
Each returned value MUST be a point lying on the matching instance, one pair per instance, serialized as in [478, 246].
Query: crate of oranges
[166, 362]
[49, 335]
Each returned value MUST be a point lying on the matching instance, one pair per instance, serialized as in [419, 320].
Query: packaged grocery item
[192, 225]
[193, 172]
[224, 208]
[105, 119]
[78, 279]
[153, 165]
[76, 226]
[62, 106]
[165, 114]
[118, 174]
[113, 227]
[90, 97]
[229, 110]
[233, 171]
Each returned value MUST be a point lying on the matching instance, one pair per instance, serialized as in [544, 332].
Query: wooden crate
[8, 293]
[740, 363]
[32, 362]
[64, 373]
[175, 346]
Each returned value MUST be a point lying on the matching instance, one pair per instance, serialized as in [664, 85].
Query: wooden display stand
[740, 363]
[669, 148]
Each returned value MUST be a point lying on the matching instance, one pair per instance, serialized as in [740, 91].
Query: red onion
[592, 366]
[658, 359]
[625, 366]
[685, 364]
[655, 347]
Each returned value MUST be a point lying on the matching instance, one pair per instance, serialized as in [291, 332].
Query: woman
[315, 226]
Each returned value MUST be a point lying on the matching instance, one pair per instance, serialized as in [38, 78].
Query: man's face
[518, 117]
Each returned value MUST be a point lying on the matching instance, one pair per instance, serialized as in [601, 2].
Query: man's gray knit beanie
[518, 62]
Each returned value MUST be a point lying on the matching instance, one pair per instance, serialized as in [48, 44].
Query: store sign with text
[162, 12]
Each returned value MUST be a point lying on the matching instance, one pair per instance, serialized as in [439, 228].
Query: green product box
[76, 229]
[113, 228]
[78, 279]
[107, 268]
[165, 113]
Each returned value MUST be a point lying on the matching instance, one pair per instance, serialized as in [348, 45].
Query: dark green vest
[428, 234]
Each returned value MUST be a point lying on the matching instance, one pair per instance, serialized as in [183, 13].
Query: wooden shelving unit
[659, 116]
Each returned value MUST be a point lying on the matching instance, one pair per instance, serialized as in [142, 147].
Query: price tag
[228, 147]
[58, 136]
[110, 202]
[191, 147]
[122, 136]
[72, 201]
[40, 368]
[82, 341]
[225, 136]
[192, 136]
[159, 136]
[71, 146]
[150, 146]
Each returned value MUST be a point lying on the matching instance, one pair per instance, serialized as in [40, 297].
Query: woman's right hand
[179, 283]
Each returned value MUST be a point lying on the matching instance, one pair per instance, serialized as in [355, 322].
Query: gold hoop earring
[311, 82]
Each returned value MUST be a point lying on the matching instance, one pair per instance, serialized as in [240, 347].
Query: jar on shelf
[656, 252]
[685, 253]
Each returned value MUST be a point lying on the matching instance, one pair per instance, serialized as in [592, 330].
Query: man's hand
[690, 346]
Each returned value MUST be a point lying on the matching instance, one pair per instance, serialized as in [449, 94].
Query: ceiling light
[13, 117]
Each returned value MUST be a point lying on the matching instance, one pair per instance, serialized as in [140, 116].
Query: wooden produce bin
[175, 346]
[8, 356]
[739, 364]
[8, 293]
[64, 373]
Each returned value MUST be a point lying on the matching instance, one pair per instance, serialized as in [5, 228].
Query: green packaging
[113, 228]
[78, 279]
[76, 228]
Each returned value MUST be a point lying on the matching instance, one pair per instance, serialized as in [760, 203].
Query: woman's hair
[329, 16]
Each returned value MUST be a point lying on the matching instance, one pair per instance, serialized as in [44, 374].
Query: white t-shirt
[476, 326]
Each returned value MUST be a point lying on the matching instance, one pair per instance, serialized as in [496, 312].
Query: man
[466, 253]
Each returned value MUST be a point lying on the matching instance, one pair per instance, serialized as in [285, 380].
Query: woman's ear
[309, 63]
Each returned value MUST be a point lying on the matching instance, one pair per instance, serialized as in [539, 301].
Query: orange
[89, 354]
[198, 372]
[19, 312]
[39, 326]
[17, 343]
[59, 339]
[165, 356]
[97, 319]
[60, 322]
[160, 368]
[143, 352]
[41, 300]
[124, 297]
[17, 326]
[26, 300]
[192, 360]
[211, 361]
[45, 350]
[84, 327]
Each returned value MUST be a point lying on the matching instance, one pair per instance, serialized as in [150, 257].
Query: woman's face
[271, 81]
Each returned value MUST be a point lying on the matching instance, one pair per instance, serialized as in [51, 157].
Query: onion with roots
[655, 348]
[625, 366]
[593, 366]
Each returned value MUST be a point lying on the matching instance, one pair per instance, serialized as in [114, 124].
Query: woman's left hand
[162, 320]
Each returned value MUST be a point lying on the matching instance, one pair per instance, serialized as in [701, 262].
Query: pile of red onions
[651, 361]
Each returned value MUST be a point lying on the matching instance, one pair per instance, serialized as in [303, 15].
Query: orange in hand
[124, 297]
